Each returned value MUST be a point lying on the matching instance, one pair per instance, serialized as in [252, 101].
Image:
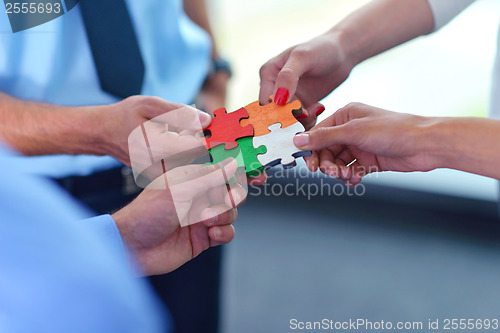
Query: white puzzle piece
[280, 147]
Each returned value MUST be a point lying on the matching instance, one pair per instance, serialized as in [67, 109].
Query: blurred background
[413, 246]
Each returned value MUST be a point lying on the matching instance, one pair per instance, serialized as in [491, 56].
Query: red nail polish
[301, 116]
[281, 96]
[321, 109]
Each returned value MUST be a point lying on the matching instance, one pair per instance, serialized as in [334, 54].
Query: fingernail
[320, 110]
[345, 172]
[301, 116]
[301, 140]
[217, 234]
[281, 96]
[205, 118]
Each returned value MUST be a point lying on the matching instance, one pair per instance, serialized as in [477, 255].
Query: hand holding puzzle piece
[257, 136]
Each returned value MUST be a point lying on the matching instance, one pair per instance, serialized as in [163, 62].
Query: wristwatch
[220, 64]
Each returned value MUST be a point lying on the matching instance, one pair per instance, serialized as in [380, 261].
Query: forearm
[197, 12]
[40, 129]
[466, 144]
[381, 25]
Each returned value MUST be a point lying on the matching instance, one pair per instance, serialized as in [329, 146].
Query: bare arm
[197, 12]
[383, 24]
[40, 129]
[360, 139]
[467, 144]
[213, 93]
[312, 70]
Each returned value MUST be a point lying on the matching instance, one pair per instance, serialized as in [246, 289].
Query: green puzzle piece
[247, 158]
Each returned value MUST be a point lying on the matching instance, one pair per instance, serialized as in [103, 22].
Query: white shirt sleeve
[445, 10]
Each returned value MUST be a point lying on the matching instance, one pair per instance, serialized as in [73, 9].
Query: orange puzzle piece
[263, 116]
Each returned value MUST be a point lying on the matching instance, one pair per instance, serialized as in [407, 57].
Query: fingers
[220, 229]
[351, 175]
[288, 77]
[174, 114]
[258, 180]
[341, 164]
[326, 163]
[172, 146]
[268, 73]
[358, 172]
[232, 196]
[310, 115]
[280, 76]
[221, 235]
[312, 161]
[318, 107]
[151, 106]
[222, 209]
[333, 165]
[185, 118]
[205, 119]
[218, 215]
[236, 196]
[345, 115]
[324, 137]
[197, 178]
[194, 187]
[173, 136]
[213, 231]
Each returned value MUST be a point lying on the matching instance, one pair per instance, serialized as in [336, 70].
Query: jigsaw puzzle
[261, 116]
[225, 129]
[256, 136]
[280, 147]
[245, 154]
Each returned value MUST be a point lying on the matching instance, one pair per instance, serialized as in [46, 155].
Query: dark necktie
[114, 46]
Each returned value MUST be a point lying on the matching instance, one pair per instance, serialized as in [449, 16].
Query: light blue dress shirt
[59, 274]
[53, 63]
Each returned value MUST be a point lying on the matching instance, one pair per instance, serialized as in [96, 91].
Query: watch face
[221, 64]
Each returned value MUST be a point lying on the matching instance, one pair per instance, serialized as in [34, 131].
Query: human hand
[151, 224]
[167, 141]
[117, 121]
[360, 139]
[307, 72]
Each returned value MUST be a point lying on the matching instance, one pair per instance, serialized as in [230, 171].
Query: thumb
[324, 137]
[177, 116]
[152, 106]
[182, 118]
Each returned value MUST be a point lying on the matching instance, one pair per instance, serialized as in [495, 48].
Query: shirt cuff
[445, 10]
[105, 227]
